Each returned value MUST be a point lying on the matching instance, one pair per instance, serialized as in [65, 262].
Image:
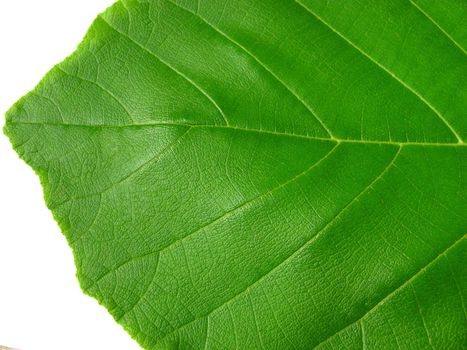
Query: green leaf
[263, 174]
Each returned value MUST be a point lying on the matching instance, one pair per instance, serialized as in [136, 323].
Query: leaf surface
[263, 174]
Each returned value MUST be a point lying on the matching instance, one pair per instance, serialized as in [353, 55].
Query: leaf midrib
[260, 131]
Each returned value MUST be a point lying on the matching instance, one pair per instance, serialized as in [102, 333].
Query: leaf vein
[302, 247]
[263, 65]
[395, 291]
[438, 26]
[201, 90]
[259, 131]
[394, 76]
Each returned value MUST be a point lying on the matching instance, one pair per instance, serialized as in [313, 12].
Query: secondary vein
[395, 291]
[264, 66]
[201, 90]
[394, 76]
[301, 248]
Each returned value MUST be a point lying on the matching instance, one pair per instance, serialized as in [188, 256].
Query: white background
[41, 304]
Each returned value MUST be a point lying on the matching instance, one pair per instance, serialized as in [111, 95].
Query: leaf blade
[225, 188]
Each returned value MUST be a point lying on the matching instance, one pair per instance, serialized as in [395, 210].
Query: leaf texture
[263, 174]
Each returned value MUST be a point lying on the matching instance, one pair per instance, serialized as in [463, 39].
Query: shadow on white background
[41, 304]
